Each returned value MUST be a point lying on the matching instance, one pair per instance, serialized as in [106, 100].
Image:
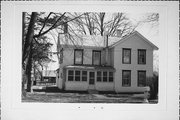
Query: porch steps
[92, 91]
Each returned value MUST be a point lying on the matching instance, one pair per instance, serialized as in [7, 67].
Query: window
[104, 76]
[77, 75]
[84, 75]
[126, 59]
[99, 79]
[78, 56]
[110, 76]
[70, 75]
[141, 78]
[126, 78]
[96, 57]
[141, 56]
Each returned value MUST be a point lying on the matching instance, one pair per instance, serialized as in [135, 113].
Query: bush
[152, 82]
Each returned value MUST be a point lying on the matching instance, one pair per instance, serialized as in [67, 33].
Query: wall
[84, 85]
[68, 59]
[135, 42]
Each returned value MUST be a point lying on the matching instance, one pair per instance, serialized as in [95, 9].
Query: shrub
[152, 82]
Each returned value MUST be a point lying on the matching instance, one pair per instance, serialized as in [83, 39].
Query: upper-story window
[78, 56]
[126, 59]
[141, 56]
[96, 57]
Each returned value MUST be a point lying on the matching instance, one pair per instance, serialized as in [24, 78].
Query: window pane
[104, 76]
[126, 78]
[84, 75]
[110, 76]
[96, 57]
[126, 55]
[99, 76]
[70, 75]
[70, 72]
[78, 56]
[77, 75]
[70, 78]
[141, 56]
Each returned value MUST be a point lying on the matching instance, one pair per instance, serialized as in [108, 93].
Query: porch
[84, 78]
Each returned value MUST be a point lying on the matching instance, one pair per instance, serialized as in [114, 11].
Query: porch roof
[90, 67]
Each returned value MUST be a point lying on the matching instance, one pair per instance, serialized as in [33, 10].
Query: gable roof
[88, 40]
[98, 41]
[131, 35]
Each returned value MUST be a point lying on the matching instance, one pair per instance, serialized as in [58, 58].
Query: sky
[149, 32]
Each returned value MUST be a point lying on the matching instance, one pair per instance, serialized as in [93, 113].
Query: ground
[54, 96]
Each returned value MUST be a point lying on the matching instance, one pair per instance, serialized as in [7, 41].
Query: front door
[91, 78]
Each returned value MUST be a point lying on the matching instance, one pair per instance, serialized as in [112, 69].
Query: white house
[105, 63]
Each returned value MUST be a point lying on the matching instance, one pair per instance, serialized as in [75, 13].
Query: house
[105, 63]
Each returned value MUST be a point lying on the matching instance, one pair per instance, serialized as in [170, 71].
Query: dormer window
[78, 56]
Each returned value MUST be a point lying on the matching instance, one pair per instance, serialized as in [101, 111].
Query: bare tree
[39, 24]
[93, 23]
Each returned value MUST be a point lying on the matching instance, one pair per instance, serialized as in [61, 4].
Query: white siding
[134, 43]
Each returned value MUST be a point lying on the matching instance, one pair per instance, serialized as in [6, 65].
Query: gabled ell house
[104, 63]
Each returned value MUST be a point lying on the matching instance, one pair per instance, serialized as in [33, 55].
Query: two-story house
[105, 63]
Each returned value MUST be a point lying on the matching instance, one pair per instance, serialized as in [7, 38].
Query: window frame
[75, 75]
[105, 76]
[99, 51]
[81, 50]
[82, 76]
[71, 75]
[139, 50]
[138, 84]
[123, 84]
[124, 56]
[111, 76]
[98, 76]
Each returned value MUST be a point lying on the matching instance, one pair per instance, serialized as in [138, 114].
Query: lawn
[54, 96]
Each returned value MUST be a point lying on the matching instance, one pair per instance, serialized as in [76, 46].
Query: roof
[131, 35]
[98, 41]
[90, 67]
[88, 40]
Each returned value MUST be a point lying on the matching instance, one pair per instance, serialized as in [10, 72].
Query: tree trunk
[27, 51]
[28, 70]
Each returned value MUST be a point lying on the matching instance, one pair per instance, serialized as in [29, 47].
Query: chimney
[105, 39]
[106, 47]
[118, 33]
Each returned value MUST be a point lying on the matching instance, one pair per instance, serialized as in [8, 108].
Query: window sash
[84, 75]
[70, 75]
[126, 78]
[111, 77]
[105, 77]
[77, 75]
[126, 59]
[99, 76]
[96, 60]
[141, 56]
[78, 56]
